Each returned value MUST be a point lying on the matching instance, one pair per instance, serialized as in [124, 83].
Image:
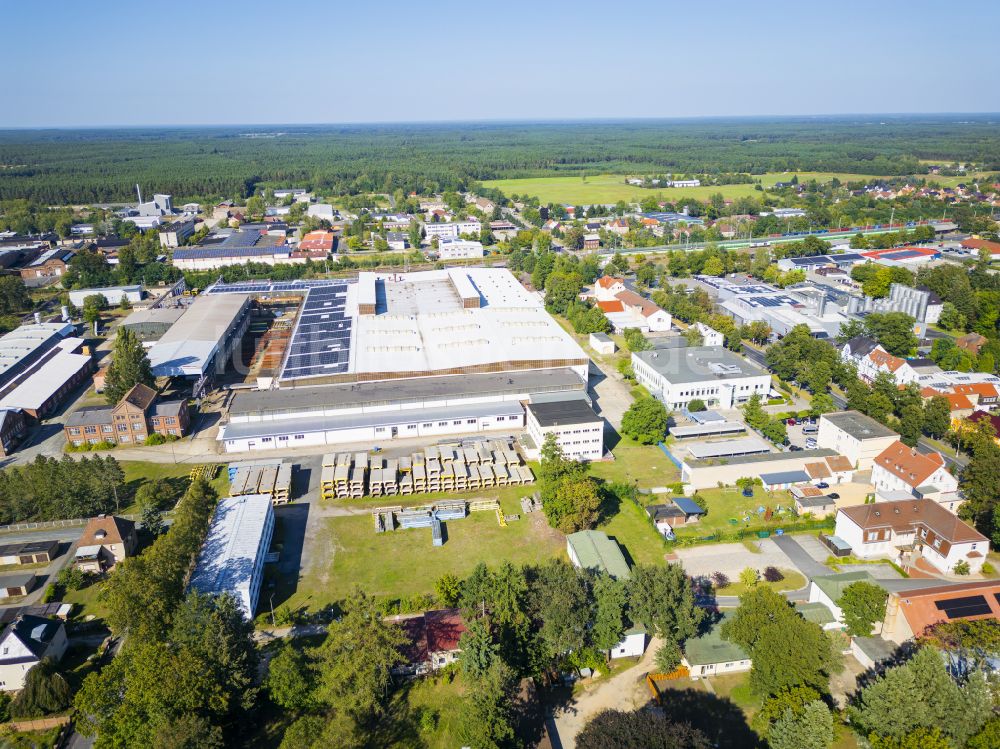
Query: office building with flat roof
[717, 377]
[578, 431]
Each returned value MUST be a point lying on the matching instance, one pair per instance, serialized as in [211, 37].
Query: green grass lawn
[138, 472]
[729, 503]
[792, 581]
[610, 188]
[403, 563]
[86, 602]
[631, 528]
[441, 700]
[644, 466]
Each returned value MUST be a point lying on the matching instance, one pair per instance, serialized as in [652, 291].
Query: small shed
[870, 651]
[17, 585]
[602, 343]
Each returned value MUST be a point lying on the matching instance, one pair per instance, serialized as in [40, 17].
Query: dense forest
[93, 166]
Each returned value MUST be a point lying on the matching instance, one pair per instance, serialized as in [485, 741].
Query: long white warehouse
[231, 560]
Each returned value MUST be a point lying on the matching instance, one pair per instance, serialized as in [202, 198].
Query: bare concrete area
[731, 559]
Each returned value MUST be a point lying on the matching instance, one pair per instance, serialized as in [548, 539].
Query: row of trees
[57, 489]
[185, 673]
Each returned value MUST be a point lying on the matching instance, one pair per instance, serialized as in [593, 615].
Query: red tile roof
[606, 282]
[904, 515]
[919, 605]
[978, 244]
[612, 306]
[906, 463]
[885, 359]
[632, 299]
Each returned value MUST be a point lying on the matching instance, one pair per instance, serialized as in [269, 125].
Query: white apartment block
[451, 248]
[857, 437]
[577, 429]
[716, 376]
[454, 229]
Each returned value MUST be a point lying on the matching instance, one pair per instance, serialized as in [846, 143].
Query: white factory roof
[229, 554]
[422, 325]
[188, 347]
[23, 341]
[45, 380]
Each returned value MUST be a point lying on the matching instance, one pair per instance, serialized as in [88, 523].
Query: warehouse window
[300, 436]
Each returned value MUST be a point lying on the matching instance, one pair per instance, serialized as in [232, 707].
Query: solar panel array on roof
[902, 255]
[957, 608]
[321, 342]
[267, 287]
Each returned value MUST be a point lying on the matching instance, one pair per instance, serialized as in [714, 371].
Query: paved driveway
[731, 559]
[802, 560]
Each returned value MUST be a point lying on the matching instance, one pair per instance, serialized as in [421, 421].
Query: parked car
[833, 495]
[822, 485]
[791, 422]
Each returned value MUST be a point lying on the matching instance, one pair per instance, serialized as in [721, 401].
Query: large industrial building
[406, 355]
[202, 339]
[40, 365]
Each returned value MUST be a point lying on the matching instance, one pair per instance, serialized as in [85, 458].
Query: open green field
[610, 188]
[728, 504]
[403, 563]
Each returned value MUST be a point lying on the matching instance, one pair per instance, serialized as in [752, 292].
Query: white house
[857, 437]
[24, 643]
[452, 248]
[633, 644]
[899, 468]
[577, 429]
[607, 288]
[828, 589]
[717, 377]
[454, 229]
[710, 655]
[911, 529]
[709, 337]
[881, 361]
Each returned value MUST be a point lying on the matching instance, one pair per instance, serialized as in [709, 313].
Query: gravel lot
[731, 559]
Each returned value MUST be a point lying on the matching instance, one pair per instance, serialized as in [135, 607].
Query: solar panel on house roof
[956, 608]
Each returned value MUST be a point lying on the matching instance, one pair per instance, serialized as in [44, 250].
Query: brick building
[137, 415]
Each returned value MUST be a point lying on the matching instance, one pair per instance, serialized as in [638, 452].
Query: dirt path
[625, 691]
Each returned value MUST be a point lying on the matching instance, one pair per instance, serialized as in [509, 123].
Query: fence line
[44, 524]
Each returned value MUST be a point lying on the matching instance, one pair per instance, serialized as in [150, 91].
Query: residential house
[24, 643]
[971, 342]
[433, 641]
[676, 513]
[593, 550]
[321, 240]
[709, 337]
[911, 531]
[983, 395]
[106, 540]
[899, 468]
[607, 288]
[710, 655]
[591, 241]
[137, 415]
[910, 612]
[855, 349]
[880, 361]
[397, 240]
[619, 226]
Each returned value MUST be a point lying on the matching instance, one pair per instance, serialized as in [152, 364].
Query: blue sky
[308, 61]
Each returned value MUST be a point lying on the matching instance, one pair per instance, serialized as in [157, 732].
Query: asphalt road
[800, 558]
